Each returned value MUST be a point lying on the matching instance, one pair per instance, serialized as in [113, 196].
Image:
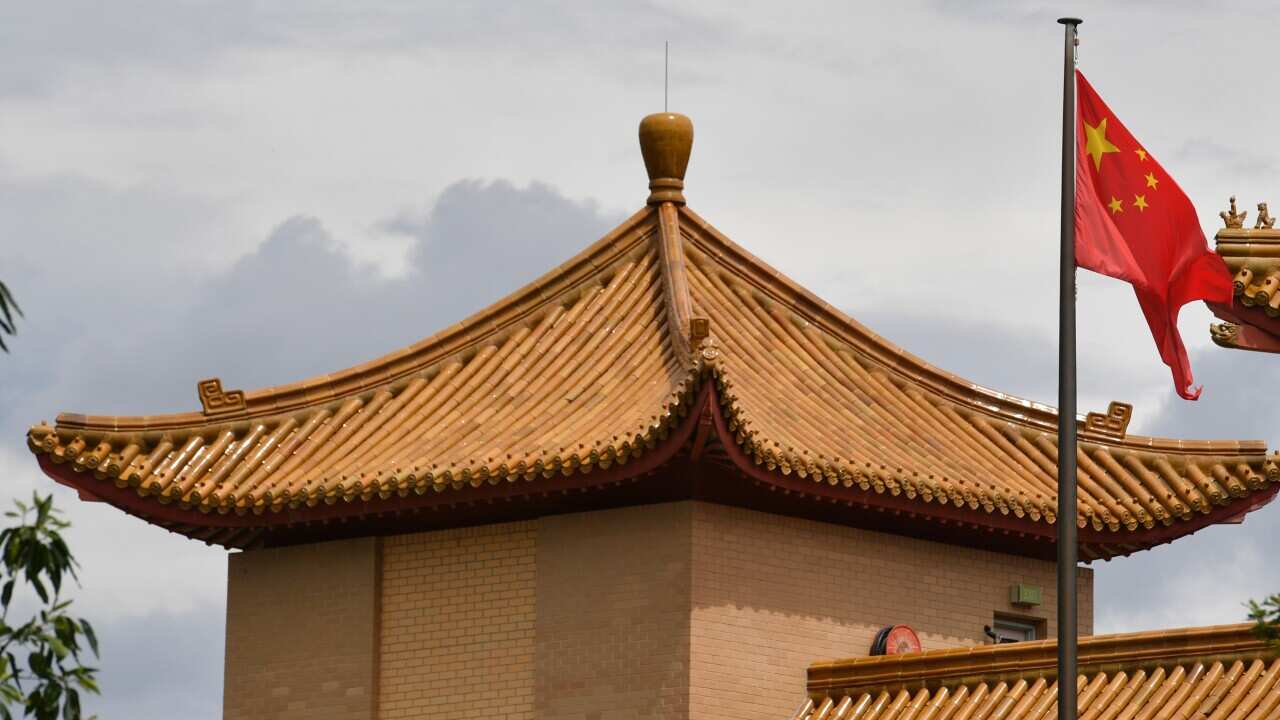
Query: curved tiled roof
[1217, 673]
[576, 370]
[597, 364]
[1253, 320]
[820, 395]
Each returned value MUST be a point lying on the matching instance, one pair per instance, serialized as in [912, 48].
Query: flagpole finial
[1070, 21]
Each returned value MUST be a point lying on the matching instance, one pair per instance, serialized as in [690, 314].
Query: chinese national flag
[1134, 223]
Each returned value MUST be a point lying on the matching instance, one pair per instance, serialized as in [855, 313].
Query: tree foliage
[1266, 618]
[8, 310]
[41, 668]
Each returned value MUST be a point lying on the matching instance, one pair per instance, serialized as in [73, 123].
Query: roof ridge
[903, 364]
[1031, 660]
[675, 278]
[455, 339]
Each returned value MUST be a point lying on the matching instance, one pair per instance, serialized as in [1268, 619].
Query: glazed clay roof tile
[663, 341]
[1212, 672]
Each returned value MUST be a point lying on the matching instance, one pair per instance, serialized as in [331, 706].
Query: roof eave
[1031, 660]
[961, 525]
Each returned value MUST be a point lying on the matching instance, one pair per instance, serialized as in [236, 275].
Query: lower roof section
[1220, 673]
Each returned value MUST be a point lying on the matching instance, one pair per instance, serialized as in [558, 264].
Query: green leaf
[8, 305]
[38, 587]
[59, 649]
[90, 635]
[33, 553]
[71, 711]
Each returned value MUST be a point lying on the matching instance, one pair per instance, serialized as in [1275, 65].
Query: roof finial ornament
[666, 139]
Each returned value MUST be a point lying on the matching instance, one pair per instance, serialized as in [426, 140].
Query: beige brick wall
[662, 611]
[773, 594]
[613, 614]
[458, 624]
[301, 632]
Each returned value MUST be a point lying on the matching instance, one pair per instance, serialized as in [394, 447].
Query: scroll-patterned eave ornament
[1111, 425]
[216, 401]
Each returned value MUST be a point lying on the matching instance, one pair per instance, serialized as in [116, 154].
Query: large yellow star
[1097, 144]
[1152, 180]
[1115, 205]
[1140, 202]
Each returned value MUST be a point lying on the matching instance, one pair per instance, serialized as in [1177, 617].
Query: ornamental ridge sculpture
[1264, 221]
[1224, 334]
[216, 401]
[1113, 424]
[1232, 218]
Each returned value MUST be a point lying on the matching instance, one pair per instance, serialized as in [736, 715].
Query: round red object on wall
[901, 639]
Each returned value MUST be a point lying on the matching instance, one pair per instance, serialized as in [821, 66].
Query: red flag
[1134, 223]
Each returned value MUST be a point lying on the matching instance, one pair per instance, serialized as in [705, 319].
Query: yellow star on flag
[1140, 202]
[1115, 205]
[1142, 154]
[1097, 144]
[1151, 180]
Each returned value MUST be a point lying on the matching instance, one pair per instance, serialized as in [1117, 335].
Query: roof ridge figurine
[1232, 218]
[1264, 221]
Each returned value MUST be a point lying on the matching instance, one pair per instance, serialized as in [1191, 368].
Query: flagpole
[1067, 548]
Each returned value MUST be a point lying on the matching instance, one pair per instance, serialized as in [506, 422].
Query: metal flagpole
[1067, 549]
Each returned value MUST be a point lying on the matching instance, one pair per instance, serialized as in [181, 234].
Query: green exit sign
[1028, 595]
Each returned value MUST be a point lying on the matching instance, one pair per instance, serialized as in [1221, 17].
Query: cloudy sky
[266, 192]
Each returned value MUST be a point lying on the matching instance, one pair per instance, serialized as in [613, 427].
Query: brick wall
[301, 632]
[613, 614]
[773, 594]
[662, 611]
[458, 624]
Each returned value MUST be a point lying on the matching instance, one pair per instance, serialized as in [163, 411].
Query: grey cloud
[1204, 578]
[1234, 381]
[86, 260]
[40, 46]
[1002, 11]
[458, 232]
[997, 357]
[1201, 579]
[1228, 162]
[298, 305]
[162, 666]
[104, 338]
[1020, 361]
